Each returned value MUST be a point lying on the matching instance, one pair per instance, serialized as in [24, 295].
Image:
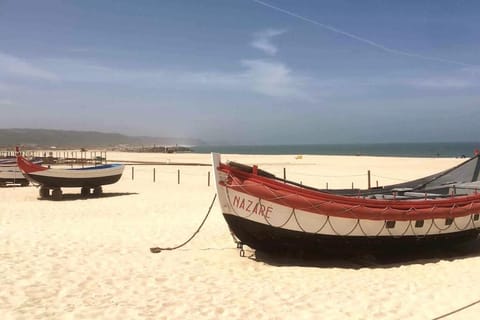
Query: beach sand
[88, 259]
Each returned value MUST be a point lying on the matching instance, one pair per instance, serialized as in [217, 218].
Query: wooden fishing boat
[272, 214]
[54, 179]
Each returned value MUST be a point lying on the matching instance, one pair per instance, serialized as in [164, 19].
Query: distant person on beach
[476, 152]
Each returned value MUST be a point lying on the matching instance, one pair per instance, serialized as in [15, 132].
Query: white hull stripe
[80, 174]
[273, 214]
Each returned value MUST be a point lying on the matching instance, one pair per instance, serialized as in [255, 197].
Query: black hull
[277, 240]
[56, 182]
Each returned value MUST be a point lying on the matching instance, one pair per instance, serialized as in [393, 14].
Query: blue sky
[244, 71]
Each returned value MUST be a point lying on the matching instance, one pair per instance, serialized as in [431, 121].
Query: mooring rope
[457, 310]
[160, 249]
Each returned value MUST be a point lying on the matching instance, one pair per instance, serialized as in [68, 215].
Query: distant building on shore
[154, 149]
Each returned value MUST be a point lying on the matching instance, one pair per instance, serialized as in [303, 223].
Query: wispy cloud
[265, 77]
[6, 102]
[263, 40]
[360, 39]
[464, 78]
[13, 66]
[274, 79]
[443, 83]
[472, 71]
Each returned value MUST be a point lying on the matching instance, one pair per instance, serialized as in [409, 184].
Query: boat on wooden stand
[272, 214]
[88, 178]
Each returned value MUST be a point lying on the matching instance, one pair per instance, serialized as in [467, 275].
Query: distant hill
[83, 139]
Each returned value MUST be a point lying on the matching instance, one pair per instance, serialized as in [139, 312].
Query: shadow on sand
[385, 259]
[77, 196]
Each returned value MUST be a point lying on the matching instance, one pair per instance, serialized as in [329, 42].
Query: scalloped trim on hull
[270, 239]
[279, 216]
[266, 212]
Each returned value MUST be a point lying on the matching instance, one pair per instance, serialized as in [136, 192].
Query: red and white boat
[272, 214]
[54, 179]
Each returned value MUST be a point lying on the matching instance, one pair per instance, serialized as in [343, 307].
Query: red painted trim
[345, 206]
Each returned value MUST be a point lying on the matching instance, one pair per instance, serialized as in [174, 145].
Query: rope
[328, 176]
[159, 249]
[457, 310]
[389, 178]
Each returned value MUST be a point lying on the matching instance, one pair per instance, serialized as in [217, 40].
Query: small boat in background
[54, 179]
[272, 214]
[11, 174]
[4, 162]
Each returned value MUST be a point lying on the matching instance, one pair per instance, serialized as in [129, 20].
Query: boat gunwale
[455, 200]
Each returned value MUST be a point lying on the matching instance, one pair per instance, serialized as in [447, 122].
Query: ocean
[436, 149]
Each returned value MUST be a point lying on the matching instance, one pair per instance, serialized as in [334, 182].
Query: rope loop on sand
[160, 249]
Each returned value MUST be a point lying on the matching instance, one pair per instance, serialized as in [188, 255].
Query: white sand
[86, 259]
